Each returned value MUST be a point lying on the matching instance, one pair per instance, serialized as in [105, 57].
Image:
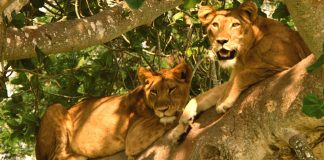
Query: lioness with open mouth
[253, 46]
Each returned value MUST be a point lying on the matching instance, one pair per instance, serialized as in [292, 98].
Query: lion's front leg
[238, 84]
[229, 101]
[230, 96]
[142, 134]
[196, 105]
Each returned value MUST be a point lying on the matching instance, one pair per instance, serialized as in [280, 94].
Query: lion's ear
[206, 14]
[144, 74]
[249, 11]
[182, 72]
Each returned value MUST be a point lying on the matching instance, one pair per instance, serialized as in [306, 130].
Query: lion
[254, 47]
[104, 126]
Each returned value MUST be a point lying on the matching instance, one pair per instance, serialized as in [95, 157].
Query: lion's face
[229, 31]
[166, 92]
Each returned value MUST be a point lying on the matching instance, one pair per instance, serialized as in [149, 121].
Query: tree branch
[308, 17]
[77, 34]
[4, 4]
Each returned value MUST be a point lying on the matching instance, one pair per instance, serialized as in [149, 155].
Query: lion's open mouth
[224, 54]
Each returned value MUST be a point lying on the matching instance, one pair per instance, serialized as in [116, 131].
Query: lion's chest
[100, 129]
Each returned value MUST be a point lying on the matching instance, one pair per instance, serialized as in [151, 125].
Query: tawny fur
[101, 127]
[262, 47]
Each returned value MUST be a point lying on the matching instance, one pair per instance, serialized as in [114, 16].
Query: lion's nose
[222, 41]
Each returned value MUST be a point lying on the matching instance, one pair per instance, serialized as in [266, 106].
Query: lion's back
[280, 47]
[101, 124]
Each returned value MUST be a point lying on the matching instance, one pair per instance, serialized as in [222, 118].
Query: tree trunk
[265, 123]
[81, 33]
[308, 18]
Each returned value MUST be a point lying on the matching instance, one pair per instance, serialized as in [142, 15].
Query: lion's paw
[177, 132]
[185, 121]
[189, 112]
[223, 107]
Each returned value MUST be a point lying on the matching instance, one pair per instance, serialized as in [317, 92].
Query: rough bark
[4, 4]
[265, 123]
[81, 33]
[308, 18]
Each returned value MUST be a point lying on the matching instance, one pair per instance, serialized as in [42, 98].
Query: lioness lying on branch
[254, 47]
[102, 127]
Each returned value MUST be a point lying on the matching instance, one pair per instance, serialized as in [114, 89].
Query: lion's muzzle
[167, 120]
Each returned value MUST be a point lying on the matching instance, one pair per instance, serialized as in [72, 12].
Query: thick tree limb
[78, 34]
[308, 18]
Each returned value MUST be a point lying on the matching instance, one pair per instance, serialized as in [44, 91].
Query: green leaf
[43, 19]
[29, 64]
[258, 3]
[135, 4]
[34, 80]
[12, 123]
[81, 63]
[236, 3]
[109, 60]
[21, 79]
[18, 19]
[177, 16]
[16, 98]
[81, 89]
[189, 52]
[313, 106]
[125, 13]
[190, 3]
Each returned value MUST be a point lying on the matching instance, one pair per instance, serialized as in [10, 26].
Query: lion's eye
[153, 92]
[215, 24]
[236, 24]
[171, 90]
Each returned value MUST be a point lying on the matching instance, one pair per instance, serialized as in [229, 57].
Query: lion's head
[166, 92]
[230, 32]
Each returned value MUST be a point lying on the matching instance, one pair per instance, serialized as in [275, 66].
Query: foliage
[190, 3]
[135, 4]
[28, 86]
[18, 19]
[313, 106]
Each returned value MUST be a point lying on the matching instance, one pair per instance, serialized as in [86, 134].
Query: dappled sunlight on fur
[101, 127]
